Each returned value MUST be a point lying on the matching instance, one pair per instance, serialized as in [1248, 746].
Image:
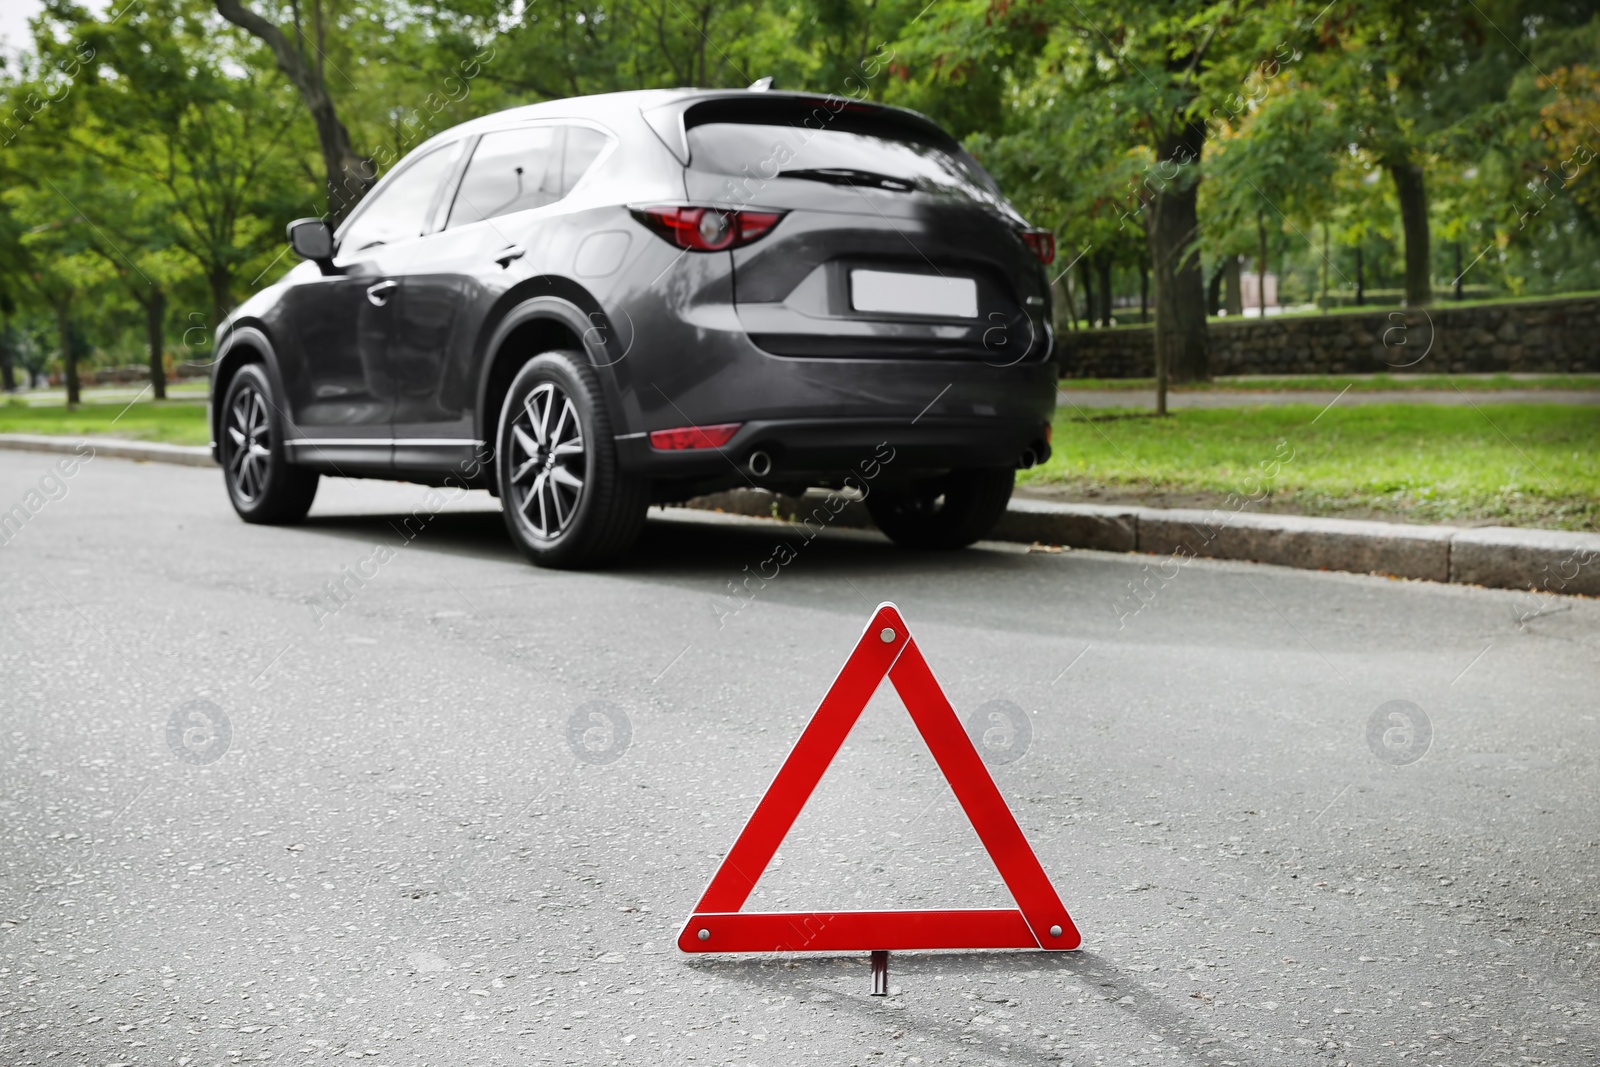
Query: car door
[343, 391]
[451, 279]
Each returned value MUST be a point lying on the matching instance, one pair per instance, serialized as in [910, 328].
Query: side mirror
[313, 239]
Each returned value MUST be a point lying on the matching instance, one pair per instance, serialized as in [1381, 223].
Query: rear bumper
[685, 357]
[827, 451]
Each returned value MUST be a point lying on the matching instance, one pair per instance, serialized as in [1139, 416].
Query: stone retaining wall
[1547, 336]
[124, 375]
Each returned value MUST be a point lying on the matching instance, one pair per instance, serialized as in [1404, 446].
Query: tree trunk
[349, 176]
[1090, 304]
[1214, 289]
[1322, 304]
[155, 313]
[8, 370]
[1144, 292]
[221, 300]
[1163, 316]
[1361, 279]
[1072, 305]
[1174, 231]
[1456, 285]
[1413, 194]
[1232, 288]
[1103, 266]
[1261, 264]
[69, 358]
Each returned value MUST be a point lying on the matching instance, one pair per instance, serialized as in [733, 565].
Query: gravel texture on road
[374, 788]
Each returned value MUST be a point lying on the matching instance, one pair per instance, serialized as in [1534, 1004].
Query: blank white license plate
[913, 294]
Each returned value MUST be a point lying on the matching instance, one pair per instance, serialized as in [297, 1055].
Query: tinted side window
[582, 148]
[510, 171]
[515, 170]
[400, 210]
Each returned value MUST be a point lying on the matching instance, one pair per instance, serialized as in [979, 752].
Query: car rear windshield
[851, 145]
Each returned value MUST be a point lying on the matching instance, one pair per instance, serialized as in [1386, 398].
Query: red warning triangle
[886, 649]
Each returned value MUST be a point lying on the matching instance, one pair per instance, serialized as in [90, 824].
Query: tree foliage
[151, 153]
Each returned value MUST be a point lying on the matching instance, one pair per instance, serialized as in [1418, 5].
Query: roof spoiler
[672, 121]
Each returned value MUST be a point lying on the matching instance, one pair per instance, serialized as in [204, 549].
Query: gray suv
[592, 305]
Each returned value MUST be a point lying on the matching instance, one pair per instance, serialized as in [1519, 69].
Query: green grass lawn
[1508, 464]
[180, 422]
[1512, 464]
[95, 394]
[1375, 383]
[1377, 303]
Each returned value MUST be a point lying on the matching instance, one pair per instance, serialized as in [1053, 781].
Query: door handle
[508, 254]
[379, 294]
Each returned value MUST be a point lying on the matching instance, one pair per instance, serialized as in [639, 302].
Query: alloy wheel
[250, 434]
[546, 450]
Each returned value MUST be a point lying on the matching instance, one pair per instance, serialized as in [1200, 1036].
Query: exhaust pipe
[1035, 454]
[759, 464]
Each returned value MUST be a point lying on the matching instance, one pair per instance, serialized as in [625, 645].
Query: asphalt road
[407, 854]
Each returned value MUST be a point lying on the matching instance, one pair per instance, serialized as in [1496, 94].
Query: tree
[1146, 79]
[1148, 135]
[56, 271]
[303, 60]
[199, 147]
[1568, 124]
[575, 47]
[1270, 171]
[1419, 83]
[44, 252]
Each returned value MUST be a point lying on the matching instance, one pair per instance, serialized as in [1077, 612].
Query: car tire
[947, 512]
[263, 485]
[566, 500]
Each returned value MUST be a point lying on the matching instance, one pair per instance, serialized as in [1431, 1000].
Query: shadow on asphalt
[720, 563]
[676, 545]
[1098, 977]
[475, 534]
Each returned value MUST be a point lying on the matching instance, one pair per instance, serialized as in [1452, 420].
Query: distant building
[1250, 289]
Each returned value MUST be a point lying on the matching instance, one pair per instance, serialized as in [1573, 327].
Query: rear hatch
[894, 242]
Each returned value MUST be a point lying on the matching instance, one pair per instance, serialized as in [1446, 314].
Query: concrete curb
[1554, 561]
[1298, 541]
[1501, 557]
[115, 447]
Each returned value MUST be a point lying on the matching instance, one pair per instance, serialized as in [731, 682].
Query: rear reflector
[1042, 243]
[694, 437]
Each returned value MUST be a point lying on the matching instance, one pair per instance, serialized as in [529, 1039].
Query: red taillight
[1042, 243]
[708, 229]
[694, 437]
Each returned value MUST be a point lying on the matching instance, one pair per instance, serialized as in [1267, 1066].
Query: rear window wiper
[850, 176]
